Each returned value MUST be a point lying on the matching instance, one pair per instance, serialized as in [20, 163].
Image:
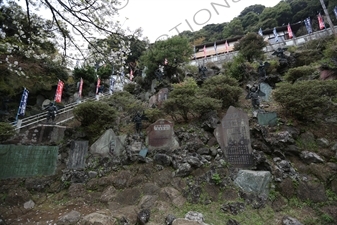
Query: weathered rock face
[108, 145]
[194, 172]
[256, 182]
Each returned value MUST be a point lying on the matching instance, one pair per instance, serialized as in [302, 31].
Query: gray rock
[194, 161]
[162, 159]
[334, 147]
[103, 217]
[92, 174]
[233, 207]
[29, 205]
[169, 219]
[183, 170]
[253, 181]
[290, 221]
[311, 157]
[323, 142]
[69, 218]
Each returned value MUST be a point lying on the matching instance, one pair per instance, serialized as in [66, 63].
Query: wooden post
[332, 27]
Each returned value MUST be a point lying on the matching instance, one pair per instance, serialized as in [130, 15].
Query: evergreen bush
[305, 99]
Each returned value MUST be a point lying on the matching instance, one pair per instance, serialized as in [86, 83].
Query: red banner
[227, 46]
[80, 88]
[97, 86]
[131, 74]
[290, 32]
[321, 22]
[204, 51]
[59, 90]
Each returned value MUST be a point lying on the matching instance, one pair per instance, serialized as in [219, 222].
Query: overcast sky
[163, 18]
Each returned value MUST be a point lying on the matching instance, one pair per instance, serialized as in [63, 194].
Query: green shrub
[191, 69]
[223, 88]
[154, 114]
[239, 69]
[306, 57]
[130, 87]
[95, 118]
[6, 131]
[301, 72]
[305, 99]
[124, 101]
[186, 100]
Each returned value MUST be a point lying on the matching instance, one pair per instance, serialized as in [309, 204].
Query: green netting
[267, 118]
[27, 161]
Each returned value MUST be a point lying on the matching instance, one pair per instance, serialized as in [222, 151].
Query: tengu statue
[254, 94]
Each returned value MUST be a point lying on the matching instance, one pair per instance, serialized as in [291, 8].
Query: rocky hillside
[192, 184]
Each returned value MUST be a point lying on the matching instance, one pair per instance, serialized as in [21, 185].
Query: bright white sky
[159, 18]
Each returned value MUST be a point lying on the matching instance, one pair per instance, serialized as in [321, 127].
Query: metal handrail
[37, 118]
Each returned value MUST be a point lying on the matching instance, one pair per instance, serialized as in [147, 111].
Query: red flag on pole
[227, 46]
[290, 32]
[59, 89]
[80, 88]
[131, 74]
[98, 85]
[320, 22]
[204, 51]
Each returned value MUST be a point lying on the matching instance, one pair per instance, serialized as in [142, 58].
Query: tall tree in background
[79, 23]
[233, 29]
[177, 50]
[250, 46]
[257, 9]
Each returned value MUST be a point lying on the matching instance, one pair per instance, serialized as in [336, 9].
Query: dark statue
[51, 111]
[137, 119]
[202, 71]
[253, 94]
[262, 69]
[159, 73]
[280, 52]
[282, 57]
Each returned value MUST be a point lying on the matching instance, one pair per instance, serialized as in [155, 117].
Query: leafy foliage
[304, 99]
[185, 101]
[250, 46]
[303, 72]
[233, 29]
[6, 131]
[95, 117]
[177, 50]
[125, 102]
[238, 68]
[223, 88]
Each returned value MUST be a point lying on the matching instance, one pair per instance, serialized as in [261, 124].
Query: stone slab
[77, 155]
[233, 135]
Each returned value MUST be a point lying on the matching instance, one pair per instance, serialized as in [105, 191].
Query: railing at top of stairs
[38, 118]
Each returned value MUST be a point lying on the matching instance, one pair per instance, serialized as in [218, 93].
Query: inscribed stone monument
[265, 88]
[234, 138]
[77, 155]
[108, 145]
[27, 161]
[160, 135]
[267, 118]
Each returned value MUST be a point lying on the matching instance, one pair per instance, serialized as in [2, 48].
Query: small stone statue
[280, 52]
[254, 93]
[262, 69]
[143, 217]
[51, 111]
[202, 71]
[159, 73]
[137, 119]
